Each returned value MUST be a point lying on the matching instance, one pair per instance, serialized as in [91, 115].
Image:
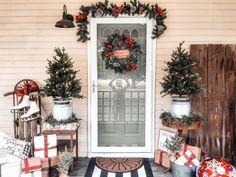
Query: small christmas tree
[182, 77]
[62, 82]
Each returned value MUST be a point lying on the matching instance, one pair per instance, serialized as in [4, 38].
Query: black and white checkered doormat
[94, 171]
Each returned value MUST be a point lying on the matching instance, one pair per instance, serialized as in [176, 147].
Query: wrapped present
[45, 146]
[32, 174]
[13, 146]
[49, 166]
[216, 167]
[31, 164]
[52, 172]
[70, 126]
[12, 166]
[49, 162]
[187, 159]
[162, 158]
[194, 149]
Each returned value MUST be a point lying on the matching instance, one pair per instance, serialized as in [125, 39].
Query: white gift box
[187, 159]
[70, 126]
[32, 174]
[12, 168]
[45, 146]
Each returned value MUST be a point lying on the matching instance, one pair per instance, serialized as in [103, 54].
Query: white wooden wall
[28, 37]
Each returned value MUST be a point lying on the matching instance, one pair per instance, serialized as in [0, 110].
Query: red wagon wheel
[25, 87]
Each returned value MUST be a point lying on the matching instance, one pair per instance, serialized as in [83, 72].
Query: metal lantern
[66, 21]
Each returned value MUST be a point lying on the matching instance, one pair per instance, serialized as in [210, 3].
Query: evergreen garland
[167, 118]
[53, 122]
[62, 82]
[182, 77]
[135, 7]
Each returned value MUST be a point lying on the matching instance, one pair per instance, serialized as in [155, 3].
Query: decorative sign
[13, 146]
[163, 135]
[121, 53]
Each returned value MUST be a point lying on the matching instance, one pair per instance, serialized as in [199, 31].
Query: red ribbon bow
[26, 87]
[189, 160]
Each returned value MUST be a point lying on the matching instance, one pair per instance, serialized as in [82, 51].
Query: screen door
[121, 103]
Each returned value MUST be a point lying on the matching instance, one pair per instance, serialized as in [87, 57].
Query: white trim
[109, 154]
[89, 95]
[150, 90]
[154, 138]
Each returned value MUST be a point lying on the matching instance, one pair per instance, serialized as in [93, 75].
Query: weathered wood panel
[200, 55]
[215, 98]
[217, 67]
[229, 115]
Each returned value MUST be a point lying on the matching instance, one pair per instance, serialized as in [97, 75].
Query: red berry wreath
[121, 53]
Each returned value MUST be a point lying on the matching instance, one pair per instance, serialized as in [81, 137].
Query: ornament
[99, 12]
[159, 11]
[216, 167]
[118, 10]
[141, 10]
[133, 9]
[81, 17]
[121, 53]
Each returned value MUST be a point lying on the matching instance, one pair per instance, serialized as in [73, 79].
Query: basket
[181, 171]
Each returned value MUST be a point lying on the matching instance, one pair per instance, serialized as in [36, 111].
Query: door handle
[94, 86]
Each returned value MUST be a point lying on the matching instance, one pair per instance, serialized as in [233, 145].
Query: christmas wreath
[121, 53]
[135, 7]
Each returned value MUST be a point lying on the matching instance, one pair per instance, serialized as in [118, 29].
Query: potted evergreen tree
[62, 84]
[181, 80]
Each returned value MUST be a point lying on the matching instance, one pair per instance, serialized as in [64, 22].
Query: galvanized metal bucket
[181, 171]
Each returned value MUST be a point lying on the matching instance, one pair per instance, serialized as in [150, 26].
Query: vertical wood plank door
[215, 98]
[199, 53]
[229, 117]
[217, 67]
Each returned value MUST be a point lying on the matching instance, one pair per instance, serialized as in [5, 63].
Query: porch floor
[81, 165]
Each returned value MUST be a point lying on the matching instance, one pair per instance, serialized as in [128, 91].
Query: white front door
[121, 105]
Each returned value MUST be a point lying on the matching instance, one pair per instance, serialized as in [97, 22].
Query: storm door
[121, 104]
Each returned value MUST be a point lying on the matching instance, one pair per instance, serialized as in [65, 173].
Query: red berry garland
[121, 53]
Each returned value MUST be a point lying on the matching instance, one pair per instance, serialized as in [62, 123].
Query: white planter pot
[180, 106]
[62, 109]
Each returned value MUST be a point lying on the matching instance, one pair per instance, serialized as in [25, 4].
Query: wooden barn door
[217, 67]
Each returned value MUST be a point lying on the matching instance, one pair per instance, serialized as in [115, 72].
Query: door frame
[148, 150]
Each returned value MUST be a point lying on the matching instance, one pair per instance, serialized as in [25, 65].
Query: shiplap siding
[28, 37]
